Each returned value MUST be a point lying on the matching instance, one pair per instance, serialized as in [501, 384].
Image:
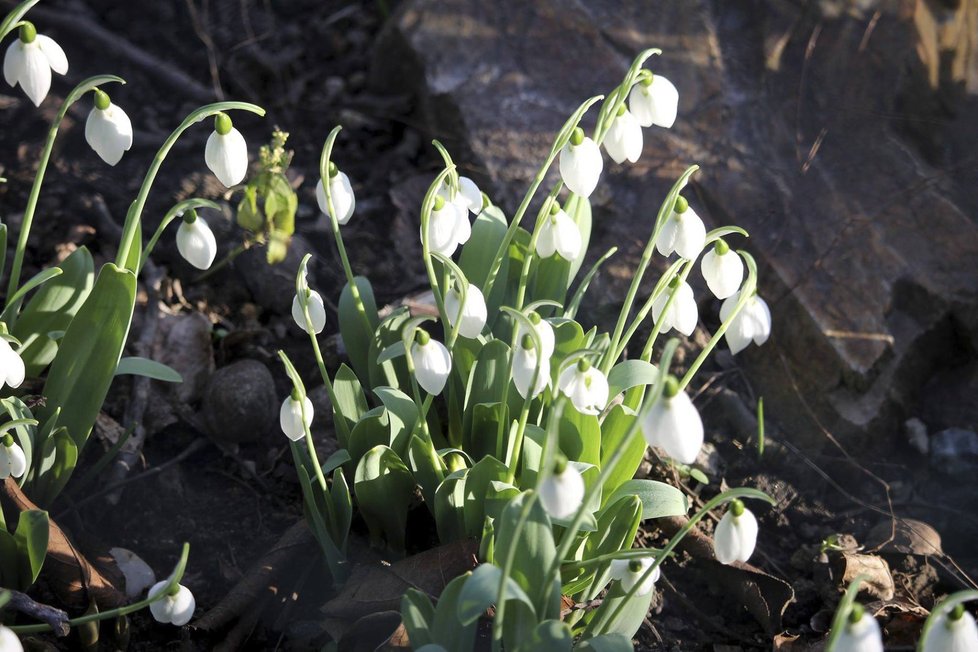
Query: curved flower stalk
[29, 61]
[736, 534]
[108, 129]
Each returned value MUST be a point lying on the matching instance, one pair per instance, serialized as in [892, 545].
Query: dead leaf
[878, 581]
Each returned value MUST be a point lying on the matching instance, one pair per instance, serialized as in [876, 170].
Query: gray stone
[240, 404]
[837, 142]
[955, 451]
[273, 286]
[185, 345]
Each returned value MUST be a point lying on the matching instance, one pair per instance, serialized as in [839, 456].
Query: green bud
[102, 100]
[560, 464]
[527, 342]
[674, 282]
[671, 387]
[333, 170]
[28, 32]
[635, 566]
[721, 247]
[621, 110]
[645, 77]
[439, 202]
[856, 613]
[737, 507]
[534, 317]
[583, 365]
[174, 590]
[681, 205]
[295, 394]
[222, 124]
[577, 136]
[956, 614]
[190, 216]
[554, 208]
[422, 337]
[8, 439]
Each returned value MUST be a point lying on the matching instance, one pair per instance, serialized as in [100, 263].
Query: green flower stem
[13, 20]
[631, 553]
[318, 354]
[174, 581]
[531, 249]
[616, 98]
[175, 212]
[516, 445]
[944, 608]
[687, 267]
[133, 218]
[742, 492]
[661, 285]
[497, 621]
[25, 229]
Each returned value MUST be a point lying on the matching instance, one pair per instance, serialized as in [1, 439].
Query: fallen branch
[56, 618]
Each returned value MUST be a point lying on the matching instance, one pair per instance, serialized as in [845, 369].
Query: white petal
[723, 274]
[580, 167]
[567, 236]
[947, 635]
[546, 333]
[441, 230]
[463, 228]
[317, 312]
[665, 101]
[227, 156]
[13, 62]
[12, 369]
[9, 642]
[182, 607]
[561, 495]
[862, 636]
[690, 234]
[735, 537]
[471, 193]
[53, 52]
[341, 192]
[624, 139]
[620, 569]
[587, 390]
[473, 314]
[162, 610]
[18, 461]
[109, 133]
[674, 425]
[682, 314]
[196, 243]
[432, 364]
[761, 316]
[666, 241]
[743, 327]
[35, 73]
[524, 366]
[290, 417]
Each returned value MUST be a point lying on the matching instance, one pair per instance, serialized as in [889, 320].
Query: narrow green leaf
[136, 366]
[631, 373]
[32, 544]
[356, 338]
[36, 281]
[481, 590]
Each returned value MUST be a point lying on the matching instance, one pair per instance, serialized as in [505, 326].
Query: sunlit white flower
[543, 330]
[630, 571]
[30, 60]
[559, 234]
[12, 369]
[562, 493]
[580, 164]
[723, 270]
[682, 313]
[654, 101]
[471, 194]
[525, 365]
[674, 425]
[585, 386]
[682, 232]
[9, 641]
[195, 241]
[445, 228]
[432, 362]
[13, 462]
[341, 193]
[226, 152]
[860, 633]
[624, 138]
[108, 129]
[317, 312]
[752, 323]
[175, 609]
[953, 632]
[736, 534]
[472, 315]
[290, 417]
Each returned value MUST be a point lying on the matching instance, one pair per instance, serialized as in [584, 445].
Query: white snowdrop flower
[674, 425]
[585, 386]
[562, 493]
[752, 323]
[13, 462]
[432, 362]
[860, 633]
[548, 340]
[580, 164]
[630, 571]
[12, 370]
[682, 313]
[723, 270]
[654, 101]
[340, 191]
[472, 315]
[736, 534]
[953, 632]
[682, 232]
[470, 192]
[317, 312]
[290, 416]
[226, 152]
[30, 60]
[558, 234]
[443, 227]
[176, 609]
[108, 129]
[525, 365]
[9, 641]
[195, 241]
[624, 138]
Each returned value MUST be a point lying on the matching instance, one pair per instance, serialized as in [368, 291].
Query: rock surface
[239, 403]
[838, 135]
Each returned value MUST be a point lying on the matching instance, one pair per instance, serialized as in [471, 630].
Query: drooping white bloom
[864, 635]
[108, 130]
[585, 386]
[472, 315]
[682, 313]
[682, 232]
[471, 194]
[341, 192]
[580, 164]
[559, 234]
[654, 103]
[674, 425]
[543, 330]
[444, 228]
[9, 642]
[752, 323]
[630, 571]
[724, 271]
[30, 60]
[226, 152]
[13, 462]
[12, 370]
[196, 243]
[562, 493]
[317, 312]
[525, 365]
[736, 535]
[432, 363]
[949, 634]
[290, 417]
[624, 138]
[175, 609]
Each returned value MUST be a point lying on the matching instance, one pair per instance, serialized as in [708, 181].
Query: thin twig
[55, 618]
